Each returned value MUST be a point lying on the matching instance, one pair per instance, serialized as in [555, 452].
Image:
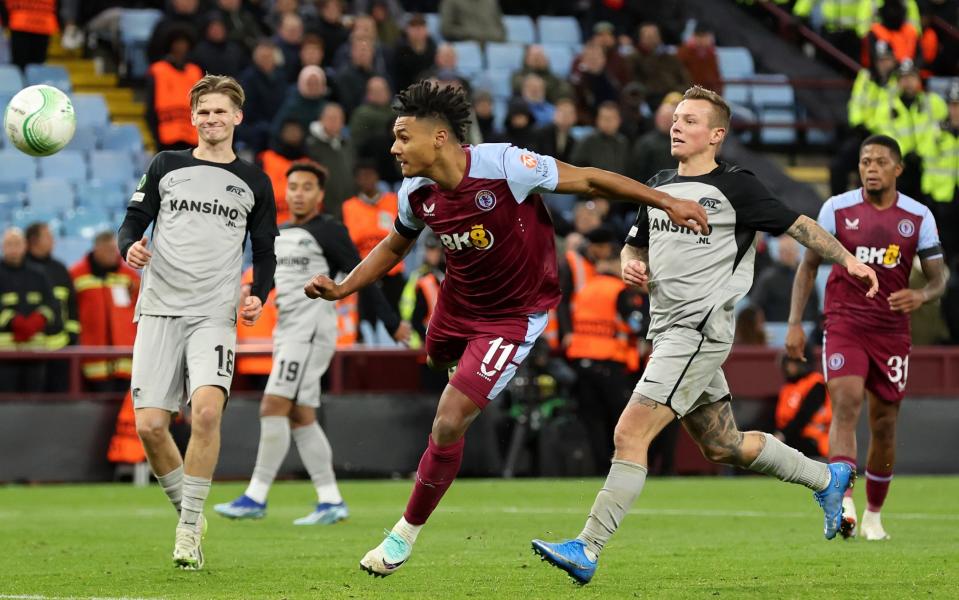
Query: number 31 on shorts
[898, 370]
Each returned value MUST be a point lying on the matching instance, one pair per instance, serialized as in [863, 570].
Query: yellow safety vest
[837, 15]
[940, 167]
[866, 97]
[912, 127]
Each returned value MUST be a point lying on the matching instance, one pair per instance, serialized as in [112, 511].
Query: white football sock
[317, 457]
[274, 444]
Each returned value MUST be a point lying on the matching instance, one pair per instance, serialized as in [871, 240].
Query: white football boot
[848, 527]
[872, 527]
[187, 552]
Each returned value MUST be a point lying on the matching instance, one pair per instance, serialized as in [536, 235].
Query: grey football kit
[304, 338]
[202, 213]
[695, 280]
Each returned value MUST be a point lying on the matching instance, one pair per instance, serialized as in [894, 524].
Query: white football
[40, 120]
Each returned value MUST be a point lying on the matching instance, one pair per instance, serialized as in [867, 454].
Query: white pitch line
[38, 597]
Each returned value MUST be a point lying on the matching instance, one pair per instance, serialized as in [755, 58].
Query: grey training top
[696, 280]
[202, 212]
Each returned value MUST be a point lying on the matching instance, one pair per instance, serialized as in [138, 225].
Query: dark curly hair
[429, 99]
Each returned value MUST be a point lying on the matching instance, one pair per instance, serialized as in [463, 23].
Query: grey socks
[274, 444]
[788, 464]
[172, 484]
[317, 457]
[623, 485]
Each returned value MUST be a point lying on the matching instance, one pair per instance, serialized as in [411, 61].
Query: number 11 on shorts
[504, 349]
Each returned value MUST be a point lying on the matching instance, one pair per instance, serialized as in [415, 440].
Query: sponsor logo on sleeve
[485, 200]
[529, 161]
[143, 182]
[137, 197]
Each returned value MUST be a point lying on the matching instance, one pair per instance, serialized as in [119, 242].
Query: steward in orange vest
[903, 41]
[277, 160]
[107, 291]
[259, 333]
[803, 412]
[31, 23]
[168, 109]
[575, 270]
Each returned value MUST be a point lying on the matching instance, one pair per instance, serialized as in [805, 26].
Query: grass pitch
[744, 537]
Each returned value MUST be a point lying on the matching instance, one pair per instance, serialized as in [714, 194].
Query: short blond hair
[721, 111]
[217, 84]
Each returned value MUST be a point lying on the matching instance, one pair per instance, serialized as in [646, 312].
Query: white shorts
[685, 371]
[173, 356]
[297, 369]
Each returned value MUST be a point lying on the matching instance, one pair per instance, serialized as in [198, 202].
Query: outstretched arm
[811, 235]
[802, 286]
[377, 263]
[597, 183]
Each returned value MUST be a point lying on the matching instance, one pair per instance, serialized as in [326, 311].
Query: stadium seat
[84, 140]
[87, 223]
[500, 108]
[497, 82]
[504, 56]
[777, 135]
[469, 58]
[11, 81]
[775, 93]
[14, 189]
[736, 93]
[136, 26]
[560, 57]
[17, 166]
[103, 195]
[69, 249]
[735, 62]
[50, 194]
[433, 26]
[559, 30]
[939, 85]
[91, 110]
[54, 75]
[110, 166]
[25, 216]
[122, 136]
[581, 131]
[520, 29]
[68, 165]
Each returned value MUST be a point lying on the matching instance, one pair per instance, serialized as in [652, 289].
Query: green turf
[745, 537]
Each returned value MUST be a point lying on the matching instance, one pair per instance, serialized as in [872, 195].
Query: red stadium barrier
[752, 372]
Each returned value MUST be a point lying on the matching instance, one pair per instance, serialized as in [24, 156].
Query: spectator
[311, 53]
[892, 28]
[351, 79]
[536, 62]
[414, 53]
[556, 138]
[483, 117]
[330, 27]
[289, 147]
[216, 53]
[518, 129]
[479, 20]
[940, 176]
[27, 315]
[364, 28]
[168, 110]
[633, 109]
[444, 63]
[265, 86]
[371, 128]
[289, 38]
[617, 64]
[40, 255]
[803, 412]
[279, 9]
[305, 101]
[326, 145]
[605, 148]
[107, 293]
[31, 24]
[750, 327]
[419, 296]
[652, 153]
[387, 30]
[369, 217]
[576, 267]
[591, 85]
[241, 26]
[184, 16]
[698, 56]
[773, 288]
[658, 69]
[534, 93]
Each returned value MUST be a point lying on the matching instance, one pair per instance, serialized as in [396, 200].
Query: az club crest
[485, 200]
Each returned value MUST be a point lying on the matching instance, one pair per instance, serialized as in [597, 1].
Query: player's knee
[883, 428]
[151, 432]
[205, 419]
[448, 429]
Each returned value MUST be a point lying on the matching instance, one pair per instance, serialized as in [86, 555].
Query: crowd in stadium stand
[319, 77]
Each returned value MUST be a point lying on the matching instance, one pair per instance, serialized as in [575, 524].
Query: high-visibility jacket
[260, 332]
[940, 166]
[369, 223]
[929, 45]
[791, 398]
[171, 101]
[837, 15]
[106, 301]
[551, 332]
[24, 291]
[66, 301]
[33, 16]
[275, 165]
[580, 268]
[424, 281]
[867, 13]
[599, 333]
[867, 95]
[904, 42]
[914, 127]
[347, 320]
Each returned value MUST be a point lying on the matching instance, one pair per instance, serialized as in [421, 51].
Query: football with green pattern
[40, 120]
